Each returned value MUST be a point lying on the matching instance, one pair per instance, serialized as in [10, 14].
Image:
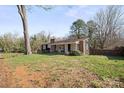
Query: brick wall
[81, 46]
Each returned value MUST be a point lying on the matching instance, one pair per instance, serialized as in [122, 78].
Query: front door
[53, 48]
[69, 47]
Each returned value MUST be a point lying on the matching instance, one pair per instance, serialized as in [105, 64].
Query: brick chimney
[52, 40]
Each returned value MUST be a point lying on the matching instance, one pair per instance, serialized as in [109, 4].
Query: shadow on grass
[116, 57]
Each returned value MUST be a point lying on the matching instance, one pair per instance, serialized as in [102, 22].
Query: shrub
[121, 48]
[75, 53]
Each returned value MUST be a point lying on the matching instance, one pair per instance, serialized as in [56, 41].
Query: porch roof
[68, 41]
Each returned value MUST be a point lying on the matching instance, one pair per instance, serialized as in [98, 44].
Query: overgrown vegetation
[75, 53]
[55, 70]
[103, 31]
[69, 71]
[121, 49]
[13, 43]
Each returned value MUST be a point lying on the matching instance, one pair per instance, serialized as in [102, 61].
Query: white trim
[70, 42]
[66, 49]
[77, 42]
[63, 43]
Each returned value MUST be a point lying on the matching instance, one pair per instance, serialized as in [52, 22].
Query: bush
[75, 53]
[121, 48]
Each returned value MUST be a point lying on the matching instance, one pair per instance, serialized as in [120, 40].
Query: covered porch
[65, 47]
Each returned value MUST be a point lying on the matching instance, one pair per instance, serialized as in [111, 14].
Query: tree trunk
[101, 45]
[22, 12]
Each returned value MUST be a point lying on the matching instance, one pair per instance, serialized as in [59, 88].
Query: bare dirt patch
[72, 78]
[55, 77]
[5, 75]
[25, 78]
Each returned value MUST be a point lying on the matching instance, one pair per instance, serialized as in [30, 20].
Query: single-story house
[66, 46]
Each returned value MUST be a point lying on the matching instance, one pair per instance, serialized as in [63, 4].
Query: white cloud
[85, 12]
[74, 11]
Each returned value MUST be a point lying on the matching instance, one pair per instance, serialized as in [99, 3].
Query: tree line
[102, 31]
[13, 43]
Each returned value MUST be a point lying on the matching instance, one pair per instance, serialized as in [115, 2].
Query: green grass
[104, 67]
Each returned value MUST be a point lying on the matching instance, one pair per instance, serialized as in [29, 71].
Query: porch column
[66, 48]
[84, 49]
[76, 46]
[51, 48]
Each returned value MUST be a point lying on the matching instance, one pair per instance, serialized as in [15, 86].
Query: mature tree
[8, 42]
[38, 39]
[91, 25]
[109, 22]
[78, 29]
[22, 12]
[19, 45]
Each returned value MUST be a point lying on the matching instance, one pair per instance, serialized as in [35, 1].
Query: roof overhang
[69, 42]
[63, 43]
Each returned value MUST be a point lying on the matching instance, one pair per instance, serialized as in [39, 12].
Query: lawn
[49, 70]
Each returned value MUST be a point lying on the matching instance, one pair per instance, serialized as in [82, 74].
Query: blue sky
[57, 21]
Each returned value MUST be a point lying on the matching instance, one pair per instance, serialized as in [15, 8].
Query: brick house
[65, 46]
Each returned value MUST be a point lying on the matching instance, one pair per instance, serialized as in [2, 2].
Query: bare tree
[109, 24]
[37, 40]
[22, 12]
